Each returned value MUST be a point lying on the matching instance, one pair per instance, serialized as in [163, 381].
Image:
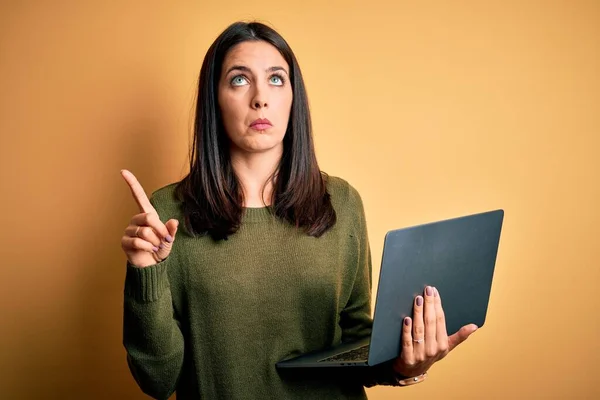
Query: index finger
[442, 332]
[138, 192]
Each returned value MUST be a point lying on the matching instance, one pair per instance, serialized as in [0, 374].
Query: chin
[261, 147]
[264, 149]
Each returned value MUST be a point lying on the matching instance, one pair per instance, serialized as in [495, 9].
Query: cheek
[225, 104]
[231, 111]
[284, 106]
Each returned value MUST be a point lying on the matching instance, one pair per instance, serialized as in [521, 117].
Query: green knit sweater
[211, 320]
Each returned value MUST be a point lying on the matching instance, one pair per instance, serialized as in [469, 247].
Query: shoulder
[347, 203]
[342, 192]
[165, 201]
[165, 193]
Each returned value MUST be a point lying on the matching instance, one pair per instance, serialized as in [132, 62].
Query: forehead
[254, 54]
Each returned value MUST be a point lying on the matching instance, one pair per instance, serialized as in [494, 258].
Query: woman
[273, 257]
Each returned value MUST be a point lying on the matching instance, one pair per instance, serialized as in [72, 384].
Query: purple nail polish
[419, 301]
[169, 238]
[428, 291]
[155, 249]
[406, 321]
[161, 246]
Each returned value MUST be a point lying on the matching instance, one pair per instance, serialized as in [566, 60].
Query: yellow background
[431, 109]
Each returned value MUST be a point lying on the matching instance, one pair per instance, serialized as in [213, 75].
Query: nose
[259, 99]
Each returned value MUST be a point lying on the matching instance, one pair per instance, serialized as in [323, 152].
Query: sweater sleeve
[355, 320]
[151, 335]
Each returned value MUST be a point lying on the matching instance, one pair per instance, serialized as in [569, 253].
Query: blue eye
[277, 80]
[239, 80]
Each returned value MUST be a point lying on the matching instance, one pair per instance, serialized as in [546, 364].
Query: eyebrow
[246, 69]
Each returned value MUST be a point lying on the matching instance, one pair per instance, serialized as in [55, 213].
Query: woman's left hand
[424, 338]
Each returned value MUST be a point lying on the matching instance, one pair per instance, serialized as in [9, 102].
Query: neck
[253, 171]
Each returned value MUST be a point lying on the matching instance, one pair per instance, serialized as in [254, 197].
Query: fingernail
[419, 301]
[406, 321]
[155, 248]
[428, 291]
[169, 238]
[435, 292]
[161, 246]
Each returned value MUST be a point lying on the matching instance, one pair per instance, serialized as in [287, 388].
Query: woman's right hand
[147, 241]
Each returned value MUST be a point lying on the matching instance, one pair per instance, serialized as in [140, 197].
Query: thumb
[165, 246]
[172, 226]
[461, 336]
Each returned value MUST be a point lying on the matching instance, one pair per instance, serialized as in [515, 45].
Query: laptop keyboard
[359, 354]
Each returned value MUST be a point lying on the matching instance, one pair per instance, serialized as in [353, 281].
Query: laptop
[456, 255]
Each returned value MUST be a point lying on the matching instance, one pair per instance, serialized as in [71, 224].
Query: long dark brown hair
[211, 196]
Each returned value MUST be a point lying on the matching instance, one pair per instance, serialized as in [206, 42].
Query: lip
[261, 124]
